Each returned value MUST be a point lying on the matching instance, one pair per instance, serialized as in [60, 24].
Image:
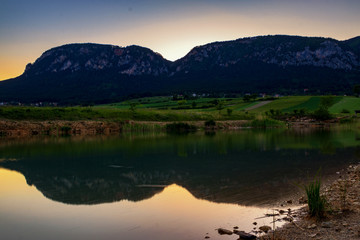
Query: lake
[160, 186]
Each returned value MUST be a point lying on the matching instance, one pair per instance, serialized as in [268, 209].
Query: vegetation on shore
[259, 112]
[316, 202]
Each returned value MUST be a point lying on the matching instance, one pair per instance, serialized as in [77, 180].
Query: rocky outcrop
[279, 50]
[132, 60]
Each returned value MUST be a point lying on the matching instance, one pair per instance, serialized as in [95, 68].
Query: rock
[287, 219]
[244, 235]
[207, 237]
[303, 200]
[265, 228]
[326, 225]
[223, 231]
[271, 214]
[281, 211]
[312, 226]
[289, 201]
[236, 227]
[255, 223]
[313, 235]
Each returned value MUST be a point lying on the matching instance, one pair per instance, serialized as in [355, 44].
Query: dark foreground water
[158, 186]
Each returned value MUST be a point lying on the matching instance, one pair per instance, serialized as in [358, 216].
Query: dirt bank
[11, 128]
[56, 128]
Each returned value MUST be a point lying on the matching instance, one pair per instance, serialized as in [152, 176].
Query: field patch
[347, 103]
[282, 103]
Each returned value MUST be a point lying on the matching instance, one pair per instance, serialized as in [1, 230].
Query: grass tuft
[316, 201]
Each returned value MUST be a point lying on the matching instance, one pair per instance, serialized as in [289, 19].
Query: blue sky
[172, 28]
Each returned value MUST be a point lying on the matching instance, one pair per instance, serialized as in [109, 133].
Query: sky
[172, 28]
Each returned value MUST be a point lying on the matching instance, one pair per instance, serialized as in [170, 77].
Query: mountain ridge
[88, 72]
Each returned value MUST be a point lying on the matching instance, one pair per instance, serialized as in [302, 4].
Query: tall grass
[266, 123]
[316, 201]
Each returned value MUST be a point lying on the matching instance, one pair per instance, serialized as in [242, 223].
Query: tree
[247, 98]
[356, 90]
[220, 106]
[253, 96]
[133, 106]
[193, 104]
[181, 103]
[229, 111]
[322, 113]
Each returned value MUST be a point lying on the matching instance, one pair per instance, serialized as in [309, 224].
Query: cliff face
[78, 73]
[133, 60]
[279, 50]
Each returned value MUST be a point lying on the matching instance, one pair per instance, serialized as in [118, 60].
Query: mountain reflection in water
[247, 167]
[158, 186]
[174, 213]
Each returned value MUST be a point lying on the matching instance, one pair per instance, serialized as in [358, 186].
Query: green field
[282, 103]
[310, 104]
[165, 109]
[348, 103]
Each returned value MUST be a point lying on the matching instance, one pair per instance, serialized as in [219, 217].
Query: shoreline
[29, 128]
[342, 222]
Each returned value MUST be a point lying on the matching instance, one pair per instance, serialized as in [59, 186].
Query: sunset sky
[172, 28]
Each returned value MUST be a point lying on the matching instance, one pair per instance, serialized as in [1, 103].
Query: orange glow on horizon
[172, 38]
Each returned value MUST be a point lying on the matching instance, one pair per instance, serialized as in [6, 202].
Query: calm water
[158, 186]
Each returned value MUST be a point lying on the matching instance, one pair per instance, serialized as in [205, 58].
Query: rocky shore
[342, 219]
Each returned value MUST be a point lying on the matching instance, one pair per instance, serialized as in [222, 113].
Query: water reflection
[247, 167]
[174, 213]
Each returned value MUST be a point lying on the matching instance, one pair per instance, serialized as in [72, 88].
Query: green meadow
[284, 104]
[166, 109]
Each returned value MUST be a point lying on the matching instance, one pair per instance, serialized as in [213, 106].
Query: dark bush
[322, 114]
[65, 130]
[210, 123]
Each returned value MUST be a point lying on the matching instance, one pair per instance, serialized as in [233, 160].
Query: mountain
[282, 64]
[78, 73]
